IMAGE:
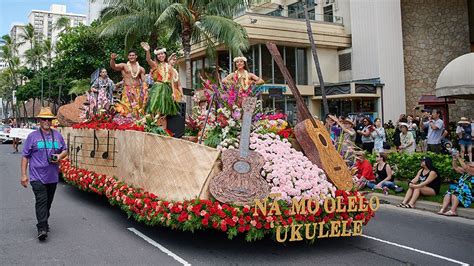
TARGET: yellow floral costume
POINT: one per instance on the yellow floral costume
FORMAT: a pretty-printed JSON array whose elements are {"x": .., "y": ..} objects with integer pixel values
[{"x": 133, "y": 100}]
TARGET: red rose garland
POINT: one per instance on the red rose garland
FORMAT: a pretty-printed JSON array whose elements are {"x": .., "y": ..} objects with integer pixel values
[{"x": 197, "y": 214}]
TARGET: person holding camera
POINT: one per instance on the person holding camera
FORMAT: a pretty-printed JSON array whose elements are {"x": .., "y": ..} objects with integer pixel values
[
  {"x": 465, "y": 133},
  {"x": 461, "y": 190},
  {"x": 435, "y": 131},
  {"x": 366, "y": 135},
  {"x": 42, "y": 151}
]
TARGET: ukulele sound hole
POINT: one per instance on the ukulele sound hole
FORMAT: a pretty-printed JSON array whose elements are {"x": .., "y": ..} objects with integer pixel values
[
  {"x": 323, "y": 141},
  {"x": 337, "y": 168},
  {"x": 242, "y": 167}
]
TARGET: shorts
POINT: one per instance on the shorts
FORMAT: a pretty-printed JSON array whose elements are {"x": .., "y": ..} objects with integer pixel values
[{"x": 465, "y": 142}]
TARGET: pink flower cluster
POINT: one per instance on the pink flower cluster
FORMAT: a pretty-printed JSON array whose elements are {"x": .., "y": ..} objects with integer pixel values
[{"x": 288, "y": 171}]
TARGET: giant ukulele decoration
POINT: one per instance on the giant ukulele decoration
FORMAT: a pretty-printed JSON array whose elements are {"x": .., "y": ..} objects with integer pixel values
[
  {"x": 312, "y": 135},
  {"x": 240, "y": 181}
]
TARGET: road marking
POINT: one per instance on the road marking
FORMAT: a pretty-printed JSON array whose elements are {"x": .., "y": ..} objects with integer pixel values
[
  {"x": 160, "y": 247},
  {"x": 417, "y": 250}
]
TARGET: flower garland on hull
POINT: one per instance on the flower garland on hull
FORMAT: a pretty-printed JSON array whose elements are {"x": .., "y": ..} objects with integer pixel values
[{"x": 198, "y": 214}]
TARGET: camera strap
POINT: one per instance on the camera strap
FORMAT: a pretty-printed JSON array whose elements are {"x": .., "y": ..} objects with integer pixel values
[{"x": 44, "y": 141}]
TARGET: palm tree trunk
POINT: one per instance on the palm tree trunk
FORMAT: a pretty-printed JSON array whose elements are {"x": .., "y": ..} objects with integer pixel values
[
  {"x": 186, "y": 41},
  {"x": 25, "y": 112},
  {"x": 34, "y": 101},
  {"x": 316, "y": 60}
]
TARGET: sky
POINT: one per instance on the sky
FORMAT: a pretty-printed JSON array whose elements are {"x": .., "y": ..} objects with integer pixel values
[{"x": 17, "y": 11}]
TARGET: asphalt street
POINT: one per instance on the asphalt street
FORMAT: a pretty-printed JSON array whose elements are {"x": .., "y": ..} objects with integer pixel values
[{"x": 86, "y": 230}]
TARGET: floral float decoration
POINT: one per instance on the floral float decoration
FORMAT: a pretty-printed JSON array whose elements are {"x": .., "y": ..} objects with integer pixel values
[{"x": 304, "y": 204}]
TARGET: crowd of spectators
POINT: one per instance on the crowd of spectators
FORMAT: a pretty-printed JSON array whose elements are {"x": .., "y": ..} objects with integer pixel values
[{"x": 426, "y": 132}]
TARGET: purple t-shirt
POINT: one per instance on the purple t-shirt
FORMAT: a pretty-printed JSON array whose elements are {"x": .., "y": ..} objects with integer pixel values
[{"x": 38, "y": 153}]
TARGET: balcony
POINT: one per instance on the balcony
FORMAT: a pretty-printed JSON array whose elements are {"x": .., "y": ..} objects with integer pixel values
[{"x": 292, "y": 31}]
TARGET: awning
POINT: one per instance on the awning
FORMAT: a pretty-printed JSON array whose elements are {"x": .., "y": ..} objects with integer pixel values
[
  {"x": 457, "y": 78},
  {"x": 433, "y": 100}
]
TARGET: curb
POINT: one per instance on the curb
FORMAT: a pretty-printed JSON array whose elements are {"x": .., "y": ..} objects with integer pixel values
[{"x": 424, "y": 205}]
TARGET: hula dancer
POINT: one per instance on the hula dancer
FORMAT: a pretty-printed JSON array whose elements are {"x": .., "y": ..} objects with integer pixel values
[
  {"x": 161, "y": 98},
  {"x": 241, "y": 77},
  {"x": 177, "y": 88},
  {"x": 134, "y": 93}
]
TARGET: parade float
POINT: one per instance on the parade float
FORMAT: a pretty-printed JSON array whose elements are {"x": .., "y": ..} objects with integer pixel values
[{"x": 241, "y": 170}]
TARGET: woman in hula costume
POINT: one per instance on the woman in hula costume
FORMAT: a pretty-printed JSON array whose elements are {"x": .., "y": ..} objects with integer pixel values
[
  {"x": 241, "y": 77},
  {"x": 161, "y": 99}
]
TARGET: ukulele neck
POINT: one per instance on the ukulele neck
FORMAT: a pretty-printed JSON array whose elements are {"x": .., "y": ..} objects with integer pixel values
[{"x": 245, "y": 134}]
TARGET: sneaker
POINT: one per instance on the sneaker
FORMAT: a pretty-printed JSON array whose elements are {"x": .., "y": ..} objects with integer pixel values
[
  {"x": 398, "y": 189},
  {"x": 42, "y": 235},
  {"x": 385, "y": 190}
]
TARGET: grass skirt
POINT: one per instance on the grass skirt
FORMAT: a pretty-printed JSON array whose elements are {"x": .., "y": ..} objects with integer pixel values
[{"x": 161, "y": 101}]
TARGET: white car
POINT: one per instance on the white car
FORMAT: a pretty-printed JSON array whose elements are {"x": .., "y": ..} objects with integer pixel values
[{"x": 4, "y": 134}]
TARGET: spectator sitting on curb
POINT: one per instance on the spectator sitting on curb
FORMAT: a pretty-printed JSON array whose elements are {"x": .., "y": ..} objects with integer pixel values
[
  {"x": 384, "y": 174},
  {"x": 461, "y": 191},
  {"x": 427, "y": 183},
  {"x": 364, "y": 171}
]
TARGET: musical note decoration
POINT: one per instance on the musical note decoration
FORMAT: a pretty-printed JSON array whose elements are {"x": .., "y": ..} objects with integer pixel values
[{"x": 86, "y": 149}]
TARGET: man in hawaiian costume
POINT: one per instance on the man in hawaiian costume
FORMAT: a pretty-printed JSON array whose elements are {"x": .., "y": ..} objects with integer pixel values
[
  {"x": 161, "y": 96},
  {"x": 241, "y": 77},
  {"x": 134, "y": 93}
]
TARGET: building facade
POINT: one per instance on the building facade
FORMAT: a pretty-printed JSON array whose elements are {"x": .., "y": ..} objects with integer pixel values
[
  {"x": 44, "y": 23},
  {"x": 377, "y": 57}
]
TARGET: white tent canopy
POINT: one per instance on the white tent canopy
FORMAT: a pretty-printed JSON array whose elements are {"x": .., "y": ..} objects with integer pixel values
[{"x": 457, "y": 78}]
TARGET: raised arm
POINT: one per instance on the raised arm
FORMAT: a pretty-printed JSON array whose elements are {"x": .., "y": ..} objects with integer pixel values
[
  {"x": 149, "y": 60},
  {"x": 456, "y": 167},
  {"x": 113, "y": 65}
]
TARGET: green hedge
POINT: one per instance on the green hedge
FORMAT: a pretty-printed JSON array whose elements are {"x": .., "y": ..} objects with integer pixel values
[{"x": 406, "y": 166}]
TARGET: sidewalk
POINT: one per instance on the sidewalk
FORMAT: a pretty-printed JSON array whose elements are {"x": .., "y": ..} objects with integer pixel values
[{"x": 423, "y": 205}]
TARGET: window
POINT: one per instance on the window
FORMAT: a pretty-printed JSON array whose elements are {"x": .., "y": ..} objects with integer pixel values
[
  {"x": 328, "y": 13},
  {"x": 345, "y": 62},
  {"x": 290, "y": 61},
  {"x": 296, "y": 10},
  {"x": 278, "y": 76},
  {"x": 301, "y": 67},
  {"x": 267, "y": 65},
  {"x": 197, "y": 66}
]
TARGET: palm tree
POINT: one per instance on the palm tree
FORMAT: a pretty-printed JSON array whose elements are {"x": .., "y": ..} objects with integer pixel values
[
  {"x": 28, "y": 34},
  {"x": 62, "y": 24},
  {"x": 189, "y": 21},
  {"x": 35, "y": 56},
  {"x": 48, "y": 48},
  {"x": 134, "y": 18},
  {"x": 209, "y": 21}
]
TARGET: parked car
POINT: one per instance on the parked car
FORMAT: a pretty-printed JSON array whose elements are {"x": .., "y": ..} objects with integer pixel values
[{"x": 4, "y": 134}]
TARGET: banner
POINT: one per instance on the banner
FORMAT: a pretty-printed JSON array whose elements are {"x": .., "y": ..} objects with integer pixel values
[{"x": 20, "y": 133}]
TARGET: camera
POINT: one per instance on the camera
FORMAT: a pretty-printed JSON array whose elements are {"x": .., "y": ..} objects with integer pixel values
[
  {"x": 454, "y": 152},
  {"x": 53, "y": 158}
]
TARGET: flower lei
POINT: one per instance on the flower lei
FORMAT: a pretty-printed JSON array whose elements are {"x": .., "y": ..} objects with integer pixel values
[
  {"x": 242, "y": 79},
  {"x": 134, "y": 75}
]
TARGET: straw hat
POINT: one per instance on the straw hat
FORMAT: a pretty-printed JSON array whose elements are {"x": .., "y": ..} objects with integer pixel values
[
  {"x": 464, "y": 120},
  {"x": 45, "y": 112},
  {"x": 348, "y": 120}
]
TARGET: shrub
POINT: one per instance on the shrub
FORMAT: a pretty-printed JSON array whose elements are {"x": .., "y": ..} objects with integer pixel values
[{"x": 406, "y": 166}]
